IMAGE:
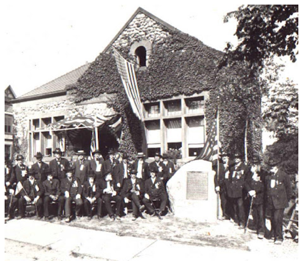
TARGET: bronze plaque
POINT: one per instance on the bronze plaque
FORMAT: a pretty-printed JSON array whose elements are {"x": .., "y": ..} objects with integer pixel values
[{"x": 196, "y": 185}]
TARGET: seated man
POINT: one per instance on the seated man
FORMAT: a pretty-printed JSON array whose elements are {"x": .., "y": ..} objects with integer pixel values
[
  {"x": 91, "y": 194},
  {"x": 155, "y": 190},
  {"x": 133, "y": 189},
  {"x": 31, "y": 192},
  {"x": 52, "y": 193},
  {"x": 10, "y": 199},
  {"x": 109, "y": 191},
  {"x": 71, "y": 188}
]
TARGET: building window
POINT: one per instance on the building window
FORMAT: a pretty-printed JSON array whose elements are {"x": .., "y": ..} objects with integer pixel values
[
  {"x": 194, "y": 152},
  {"x": 152, "y": 151},
  {"x": 8, "y": 151},
  {"x": 172, "y": 107},
  {"x": 141, "y": 54},
  {"x": 195, "y": 105},
  {"x": 8, "y": 124},
  {"x": 152, "y": 110}
]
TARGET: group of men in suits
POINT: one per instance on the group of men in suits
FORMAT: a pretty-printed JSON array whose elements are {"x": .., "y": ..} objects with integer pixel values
[
  {"x": 114, "y": 183},
  {"x": 243, "y": 187}
]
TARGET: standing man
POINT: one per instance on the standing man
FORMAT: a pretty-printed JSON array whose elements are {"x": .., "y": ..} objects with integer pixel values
[
  {"x": 235, "y": 191},
  {"x": 254, "y": 185},
  {"x": 221, "y": 182},
  {"x": 168, "y": 168},
  {"x": 91, "y": 195},
  {"x": 141, "y": 167},
  {"x": 121, "y": 170},
  {"x": 71, "y": 189},
  {"x": 96, "y": 164},
  {"x": 40, "y": 168},
  {"x": 52, "y": 193},
  {"x": 32, "y": 192},
  {"x": 133, "y": 189},
  {"x": 10, "y": 199},
  {"x": 155, "y": 190},
  {"x": 110, "y": 163},
  {"x": 157, "y": 164},
  {"x": 58, "y": 165},
  {"x": 20, "y": 170},
  {"x": 278, "y": 194},
  {"x": 82, "y": 167}
]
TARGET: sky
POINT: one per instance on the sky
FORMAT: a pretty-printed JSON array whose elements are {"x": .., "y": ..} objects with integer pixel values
[{"x": 43, "y": 40}]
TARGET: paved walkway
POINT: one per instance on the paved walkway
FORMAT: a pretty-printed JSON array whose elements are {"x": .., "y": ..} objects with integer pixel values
[{"x": 110, "y": 246}]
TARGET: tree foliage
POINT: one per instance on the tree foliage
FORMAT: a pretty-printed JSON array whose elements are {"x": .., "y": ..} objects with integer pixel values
[{"x": 263, "y": 31}]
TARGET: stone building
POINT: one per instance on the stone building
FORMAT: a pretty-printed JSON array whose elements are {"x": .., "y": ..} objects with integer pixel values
[
  {"x": 9, "y": 118},
  {"x": 176, "y": 77}
]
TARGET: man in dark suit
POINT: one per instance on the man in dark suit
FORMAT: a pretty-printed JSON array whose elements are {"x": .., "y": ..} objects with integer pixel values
[
  {"x": 91, "y": 194},
  {"x": 278, "y": 194},
  {"x": 20, "y": 170},
  {"x": 32, "y": 192},
  {"x": 52, "y": 193},
  {"x": 235, "y": 190},
  {"x": 157, "y": 164},
  {"x": 133, "y": 189},
  {"x": 40, "y": 168},
  {"x": 155, "y": 190},
  {"x": 9, "y": 182},
  {"x": 109, "y": 192},
  {"x": 58, "y": 165},
  {"x": 71, "y": 189},
  {"x": 110, "y": 163},
  {"x": 221, "y": 180},
  {"x": 168, "y": 168},
  {"x": 141, "y": 167},
  {"x": 121, "y": 170},
  {"x": 96, "y": 164},
  {"x": 81, "y": 167}
]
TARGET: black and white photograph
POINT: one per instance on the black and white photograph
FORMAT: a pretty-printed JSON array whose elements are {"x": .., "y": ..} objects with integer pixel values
[{"x": 149, "y": 130}]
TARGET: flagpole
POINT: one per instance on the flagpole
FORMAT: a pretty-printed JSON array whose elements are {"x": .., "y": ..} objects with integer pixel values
[
  {"x": 246, "y": 141},
  {"x": 97, "y": 138},
  {"x": 218, "y": 163}
]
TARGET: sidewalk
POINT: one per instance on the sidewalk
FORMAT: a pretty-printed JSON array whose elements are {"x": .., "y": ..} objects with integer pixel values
[{"x": 101, "y": 245}]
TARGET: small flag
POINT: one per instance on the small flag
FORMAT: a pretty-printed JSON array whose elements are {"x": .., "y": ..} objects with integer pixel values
[{"x": 19, "y": 187}]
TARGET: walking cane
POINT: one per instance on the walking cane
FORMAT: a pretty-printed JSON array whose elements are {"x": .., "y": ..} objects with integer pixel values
[{"x": 250, "y": 213}]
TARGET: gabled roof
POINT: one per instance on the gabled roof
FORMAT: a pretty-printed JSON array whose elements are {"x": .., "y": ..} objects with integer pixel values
[
  {"x": 140, "y": 10},
  {"x": 9, "y": 94},
  {"x": 56, "y": 86}
]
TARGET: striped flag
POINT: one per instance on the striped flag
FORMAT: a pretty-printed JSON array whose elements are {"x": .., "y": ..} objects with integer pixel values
[
  {"x": 212, "y": 145},
  {"x": 127, "y": 74}
]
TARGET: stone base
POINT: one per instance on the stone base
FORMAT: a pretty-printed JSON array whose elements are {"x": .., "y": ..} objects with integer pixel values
[{"x": 191, "y": 192}]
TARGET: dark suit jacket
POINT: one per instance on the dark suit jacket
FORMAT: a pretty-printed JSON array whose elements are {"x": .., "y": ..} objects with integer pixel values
[
  {"x": 118, "y": 172},
  {"x": 222, "y": 181},
  {"x": 145, "y": 169},
  {"x": 82, "y": 170},
  {"x": 51, "y": 188},
  {"x": 168, "y": 170},
  {"x": 127, "y": 187},
  {"x": 88, "y": 190},
  {"x": 103, "y": 185},
  {"x": 152, "y": 190},
  {"x": 278, "y": 196},
  {"x": 74, "y": 186},
  {"x": 40, "y": 174},
  {"x": 56, "y": 170},
  {"x": 9, "y": 176},
  {"x": 108, "y": 166},
  {"x": 236, "y": 181},
  {"x": 17, "y": 173},
  {"x": 93, "y": 167},
  {"x": 36, "y": 189}
]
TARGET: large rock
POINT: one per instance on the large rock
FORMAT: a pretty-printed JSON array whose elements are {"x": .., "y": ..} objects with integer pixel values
[{"x": 191, "y": 192}]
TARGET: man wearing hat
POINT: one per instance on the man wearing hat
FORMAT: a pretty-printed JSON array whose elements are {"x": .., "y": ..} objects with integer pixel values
[
  {"x": 91, "y": 196},
  {"x": 58, "y": 165},
  {"x": 51, "y": 194},
  {"x": 155, "y": 190},
  {"x": 96, "y": 164},
  {"x": 31, "y": 192},
  {"x": 71, "y": 189},
  {"x": 40, "y": 168},
  {"x": 109, "y": 192},
  {"x": 20, "y": 170},
  {"x": 133, "y": 189},
  {"x": 235, "y": 189},
  {"x": 168, "y": 168},
  {"x": 278, "y": 194},
  {"x": 254, "y": 185},
  {"x": 157, "y": 164},
  {"x": 109, "y": 163},
  {"x": 141, "y": 166},
  {"x": 82, "y": 167},
  {"x": 121, "y": 170},
  {"x": 221, "y": 182},
  {"x": 9, "y": 183}
]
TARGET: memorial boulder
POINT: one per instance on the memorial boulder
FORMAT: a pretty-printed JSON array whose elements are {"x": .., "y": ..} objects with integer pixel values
[{"x": 191, "y": 192}]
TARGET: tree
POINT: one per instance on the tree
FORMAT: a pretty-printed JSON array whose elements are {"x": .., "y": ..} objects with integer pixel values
[{"x": 263, "y": 31}]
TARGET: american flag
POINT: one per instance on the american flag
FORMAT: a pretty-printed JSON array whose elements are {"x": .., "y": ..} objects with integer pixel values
[
  {"x": 212, "y": 145},
  {"x": 127, "y": 74}
]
